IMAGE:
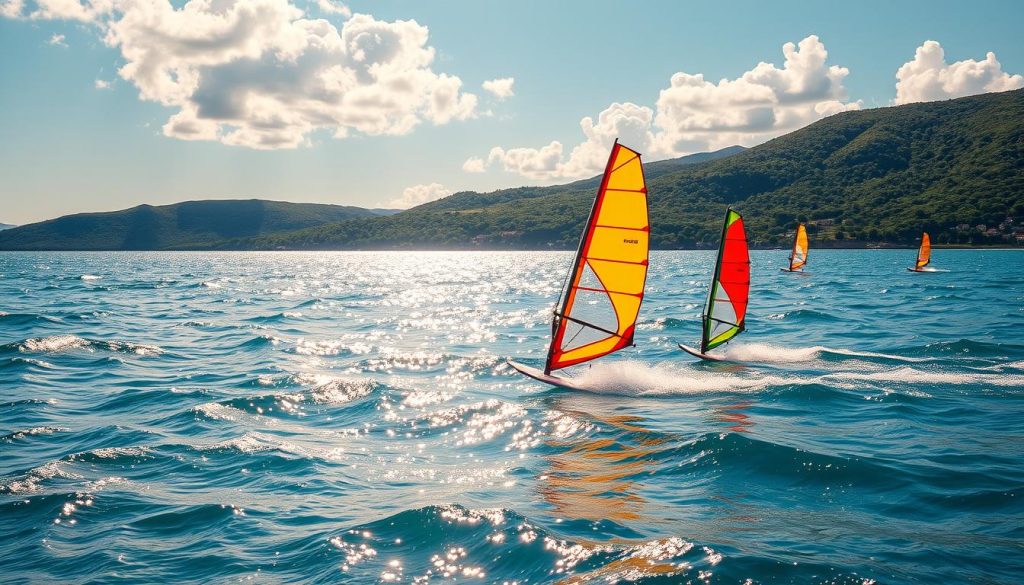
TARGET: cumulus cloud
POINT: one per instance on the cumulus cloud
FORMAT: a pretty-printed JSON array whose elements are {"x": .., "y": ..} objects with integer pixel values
[
  {"x": 57, "y": 40},
  {"x": 261, "y": 74},
  {"x": 102, "y": 84},
  {"x": 500, "y": 88},
  {"x": 331, "y": 7},
  {"x": 418, "y": 195},
  {"x": 11, "y": 8},
  {"x": 474, "y": 164},
  {"x": 928, "y": 77},
  {"x": 694, "y": 115}
]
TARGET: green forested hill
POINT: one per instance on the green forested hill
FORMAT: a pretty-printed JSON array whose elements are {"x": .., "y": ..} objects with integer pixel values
[
  {"x": 192, "y": 224},
  {"x": 880, "y": 175}
]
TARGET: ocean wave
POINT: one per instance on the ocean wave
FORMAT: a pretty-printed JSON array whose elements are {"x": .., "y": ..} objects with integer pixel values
[
  {"x": 451, "y": 542},
  {"x": 253, "y": 442},
  {"x": 30, "y": 482},
  {"x": 19, "y": 319},
  {"x": 29, "y": 362},
  {"x": 31, "y": 432},
  {"x": 61, "y": 343}
]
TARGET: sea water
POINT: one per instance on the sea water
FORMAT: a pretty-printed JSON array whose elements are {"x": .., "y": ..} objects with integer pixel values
[{"x": 350, "y": 418}]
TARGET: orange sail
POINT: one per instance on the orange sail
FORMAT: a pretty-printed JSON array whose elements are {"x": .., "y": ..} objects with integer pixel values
[
  {"x": 798, "y": 258},
  {"x": 924, "y": 254},
  {"x": 600, "y": 305}
]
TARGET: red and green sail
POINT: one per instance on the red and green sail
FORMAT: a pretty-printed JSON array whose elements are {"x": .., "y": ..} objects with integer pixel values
[{"x": 726, "y": 306}]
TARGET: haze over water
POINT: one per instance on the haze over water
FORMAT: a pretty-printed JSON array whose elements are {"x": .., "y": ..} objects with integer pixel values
[{"x": 349, "y": 417}]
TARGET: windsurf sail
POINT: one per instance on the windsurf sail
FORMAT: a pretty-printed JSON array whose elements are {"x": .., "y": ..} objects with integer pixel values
[
  {"x": 726, "y": 306},
  {"x": 799, "y": 256},
  {"x": 924, "y": 254},
  {"x": 601, "y": 300}
]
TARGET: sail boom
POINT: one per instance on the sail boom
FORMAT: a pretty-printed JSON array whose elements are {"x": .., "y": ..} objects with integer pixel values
[{"x": 591, "y": 325}]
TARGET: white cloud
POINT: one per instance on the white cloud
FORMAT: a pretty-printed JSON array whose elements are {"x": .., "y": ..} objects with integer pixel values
[
  {"x": 500, "y": 88},
  {"x": 102, "y": 84},
  {"x": 260, "y": 74},
  {"x": 928, "y": 77},
  {"x": 696, "y": 115},
  {"x": 86, "y": 11},
  {"x": 57, "y": 40},
  {"x": 331, "y": 7},
  {"x": 418, "y": 195},
  {"x": 11, "y": 8},
  {"x": 474, "y": 164}
]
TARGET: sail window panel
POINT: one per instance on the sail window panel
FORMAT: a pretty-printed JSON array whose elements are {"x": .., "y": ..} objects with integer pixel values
[
  {"x": 718, "y": 328},
  {"x": 628, "y": 176},
  {"x": 608, "y": 243},
  {"x": 582, "y": 336},
  {"x": 594, "y": 308},
  {"x": 623, "y": 209},
  {"x": 589, "y": 278},
  {"x": 722, "y": 308},
  {"x": 620, "y": 276}
]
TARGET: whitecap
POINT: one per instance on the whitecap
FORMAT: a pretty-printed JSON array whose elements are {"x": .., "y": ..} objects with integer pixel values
[
  {"x": 53, "y": 343},
  {"x": 31, "y": 480}
]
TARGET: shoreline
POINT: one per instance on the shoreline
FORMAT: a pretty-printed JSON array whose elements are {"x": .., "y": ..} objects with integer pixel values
[{"x": 483, "y": 249}]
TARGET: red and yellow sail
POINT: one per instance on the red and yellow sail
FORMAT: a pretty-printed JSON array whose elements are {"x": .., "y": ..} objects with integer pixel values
[
  {"x": 798, "y": 258},
  {"x": 726, "y": 306},
  {"x": 924, "y": 254},
  {"x": 606, "y": 285}
]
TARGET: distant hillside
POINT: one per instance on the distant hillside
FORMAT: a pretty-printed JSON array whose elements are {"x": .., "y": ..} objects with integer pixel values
[
  {"x": 7, "y": 226},
  {"x": 879, "y": 175},
  {"x": 192, "y": 224}
]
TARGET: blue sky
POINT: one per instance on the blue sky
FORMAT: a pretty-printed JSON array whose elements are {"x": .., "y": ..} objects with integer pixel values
[{"x": 68, "y": 145}]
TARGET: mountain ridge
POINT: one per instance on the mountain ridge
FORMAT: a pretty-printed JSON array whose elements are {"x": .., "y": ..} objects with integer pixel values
[
  {"x": 953, "y": 168},
  {"x": 183, "y": 225}
]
